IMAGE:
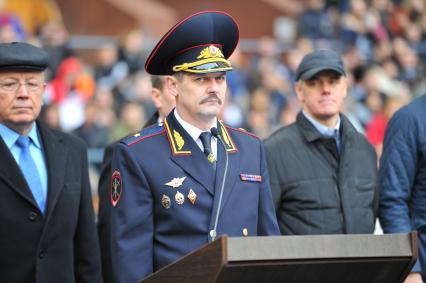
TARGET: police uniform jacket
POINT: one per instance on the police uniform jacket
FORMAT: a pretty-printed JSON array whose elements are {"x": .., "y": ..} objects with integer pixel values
[
  {"x": 103, "y": 223},
  {"x": 61, "y": 245},
  {"x": 165, "y": 196}
]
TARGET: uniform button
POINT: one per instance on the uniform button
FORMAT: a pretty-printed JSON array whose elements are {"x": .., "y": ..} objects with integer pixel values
[
  {"x": 245, "y": 232},
  {"x": 41, "y": 254},
  {"x": 32, "y": 216}
]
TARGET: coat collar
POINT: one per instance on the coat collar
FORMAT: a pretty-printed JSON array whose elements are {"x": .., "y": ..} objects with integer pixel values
[
  {"x": 55, "y": 156},
  {"x": 311, "y": 134},
  {"x": 11, "y": 174},
  {"x": 182, "y": 146},
  {"x": 179, "y": 140}
]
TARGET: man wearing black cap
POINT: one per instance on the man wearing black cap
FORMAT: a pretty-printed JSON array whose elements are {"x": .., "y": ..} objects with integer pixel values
[
  {"x": 48, "y": 230},
  {"x": 179, "y": 186},
  {"x": 323, "y": 172}
]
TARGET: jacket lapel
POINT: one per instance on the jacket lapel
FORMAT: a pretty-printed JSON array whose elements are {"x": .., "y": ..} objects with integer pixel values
[
  {"x": 11, "y": 174},
  {"x": 187, "y": 155},
  {"x": 55, "y": 154}
]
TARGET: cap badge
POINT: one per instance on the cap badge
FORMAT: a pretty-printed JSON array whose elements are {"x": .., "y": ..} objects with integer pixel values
[
  {"x": 210, "y": 52},
  {"x": 192, "y": 196},
  {"x": 175, "y": 182},
  {"x": 179, "y": 198},
  {"x": 165, "y": 201},
  {"x": 116, "y": 187},
  {"x": 179, "y": 140}
]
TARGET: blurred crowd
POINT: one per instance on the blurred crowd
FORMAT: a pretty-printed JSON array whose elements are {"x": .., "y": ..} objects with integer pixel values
[{"x": 381, "y": 41}]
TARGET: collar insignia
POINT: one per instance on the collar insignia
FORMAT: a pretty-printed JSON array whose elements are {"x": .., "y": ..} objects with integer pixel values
[
  {"x": 225, "y": 138},
  {"x": 230, "y": 146},
  {"x": 179, "y": 140},
  {"x": 175, "y": 139},
  {"x": 175, "y": 182}
]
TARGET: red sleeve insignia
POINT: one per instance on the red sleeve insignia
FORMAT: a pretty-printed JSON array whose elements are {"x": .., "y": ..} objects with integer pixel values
[{"x": 116, "y": 187}]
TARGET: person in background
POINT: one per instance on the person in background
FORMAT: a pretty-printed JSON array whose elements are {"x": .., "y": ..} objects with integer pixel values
[
  {"x": 323, "y": 172},
  {"x": 91, "y": 132},
  {"x": 49, "y": 232},
  {"x": 165, "y": 181},
  {"x": 164, "y": 101},
  {"x": 403, "y": 179}
]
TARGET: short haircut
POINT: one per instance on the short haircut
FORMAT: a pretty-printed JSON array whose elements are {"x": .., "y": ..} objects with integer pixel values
[{"x": 157, "y": 81}]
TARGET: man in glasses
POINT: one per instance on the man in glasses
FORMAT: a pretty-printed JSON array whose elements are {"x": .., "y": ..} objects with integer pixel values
[{"x": 48, "y": 230}]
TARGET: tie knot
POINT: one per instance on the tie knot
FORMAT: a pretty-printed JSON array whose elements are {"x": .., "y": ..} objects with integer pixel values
[
  {"x": 206, "y": 138},
  {"x": 23, "y": 141}
]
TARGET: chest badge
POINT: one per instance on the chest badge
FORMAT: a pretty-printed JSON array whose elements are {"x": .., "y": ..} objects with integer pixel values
[
  {"x": 192, "y": 196},
  {"x": 165, "y": 201},
  {"x": 179, "y": 198},
  {"x": 250, "y": 178},
  {"x": 175, "y": 182}
]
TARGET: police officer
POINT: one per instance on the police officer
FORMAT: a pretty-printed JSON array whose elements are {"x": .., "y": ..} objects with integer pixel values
[{"x": 167, "y": 194}]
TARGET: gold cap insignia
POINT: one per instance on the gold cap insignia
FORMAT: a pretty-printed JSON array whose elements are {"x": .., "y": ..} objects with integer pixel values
[
  {"x": 175, "y": 182},
  {"x": 210, "y": 52}
]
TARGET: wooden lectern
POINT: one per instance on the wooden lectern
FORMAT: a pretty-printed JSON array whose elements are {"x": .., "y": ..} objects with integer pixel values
[{"x": 290, "y": 259}]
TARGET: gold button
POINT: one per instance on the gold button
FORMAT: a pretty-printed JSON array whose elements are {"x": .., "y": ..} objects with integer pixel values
[{"x": 245, "y": 232}]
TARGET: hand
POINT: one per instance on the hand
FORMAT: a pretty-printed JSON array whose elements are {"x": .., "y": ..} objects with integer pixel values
[{"x": 414, "y": 277}]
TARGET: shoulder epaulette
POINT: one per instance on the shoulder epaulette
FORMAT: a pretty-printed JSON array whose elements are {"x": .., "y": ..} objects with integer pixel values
[{"x": 143, "y": 134}]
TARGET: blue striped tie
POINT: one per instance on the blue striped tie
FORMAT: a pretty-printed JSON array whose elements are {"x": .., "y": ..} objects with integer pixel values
[{"x": 29, "y": 169}]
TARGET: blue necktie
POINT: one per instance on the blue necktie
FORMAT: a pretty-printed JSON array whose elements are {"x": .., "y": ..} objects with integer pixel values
[
  {"x": 206, "y": 139},
  {"x": 29, "y": 169},
  {"x": 337, "y": 138}
]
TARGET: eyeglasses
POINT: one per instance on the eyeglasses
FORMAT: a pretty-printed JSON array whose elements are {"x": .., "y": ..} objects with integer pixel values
[{"x": 14, "y": 86}]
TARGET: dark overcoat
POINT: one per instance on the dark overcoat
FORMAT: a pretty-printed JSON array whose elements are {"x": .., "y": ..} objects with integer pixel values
[{"x": 61, "y": 245}]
